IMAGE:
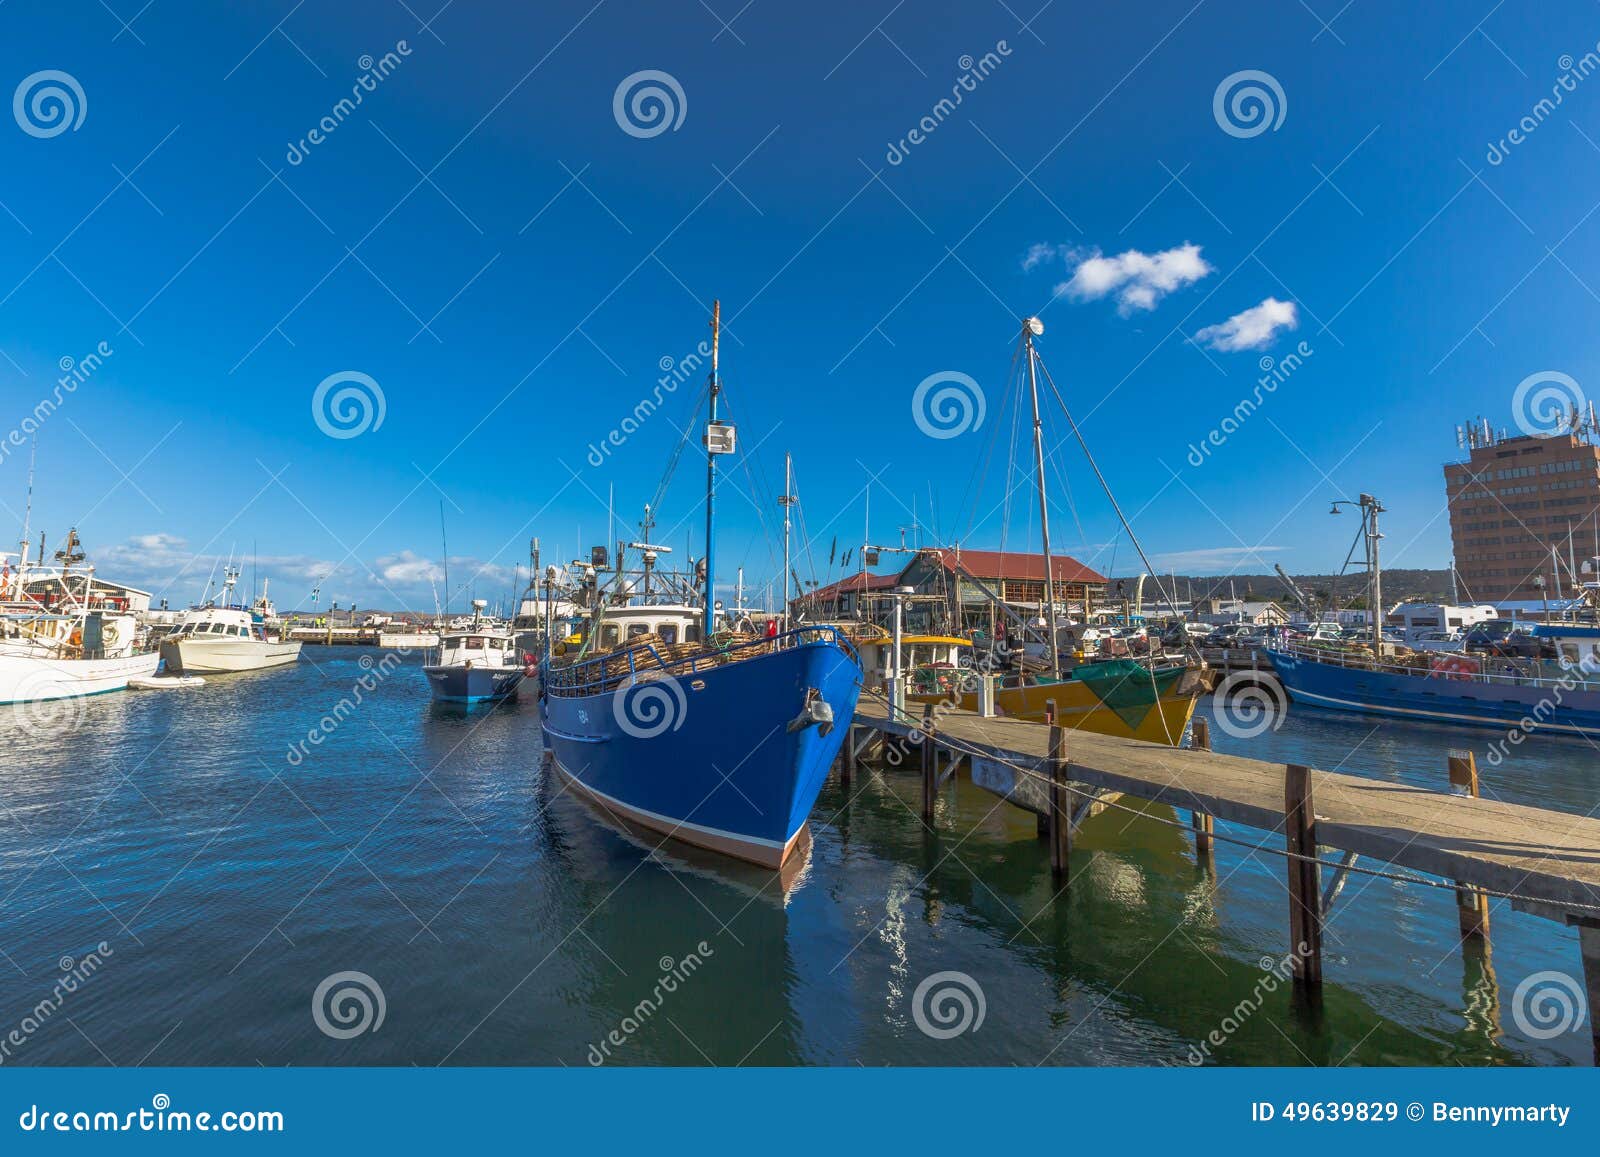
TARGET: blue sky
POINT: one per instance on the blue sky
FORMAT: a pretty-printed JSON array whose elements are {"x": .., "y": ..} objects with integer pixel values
[{"x": 482, "y": 239}]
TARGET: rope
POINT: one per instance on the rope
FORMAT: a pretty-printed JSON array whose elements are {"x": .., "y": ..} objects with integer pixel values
[{"x": 1250, "y": 845}]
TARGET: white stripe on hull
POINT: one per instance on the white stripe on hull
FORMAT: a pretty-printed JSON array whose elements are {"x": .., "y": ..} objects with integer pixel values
[
  {"x": 1442, "y": 716},
  {"x": 753, "y": 849}
]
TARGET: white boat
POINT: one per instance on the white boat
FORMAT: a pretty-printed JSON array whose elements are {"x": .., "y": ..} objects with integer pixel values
[
  {"x": 213, "y": 640},
  {"x": 165, "y": 682},
  {"x": 478, "y": 663},
  {"x": 60, "y": 636}
]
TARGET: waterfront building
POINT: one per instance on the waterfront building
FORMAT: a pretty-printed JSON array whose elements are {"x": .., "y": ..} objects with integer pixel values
[{"x": 1524, "y": 514}]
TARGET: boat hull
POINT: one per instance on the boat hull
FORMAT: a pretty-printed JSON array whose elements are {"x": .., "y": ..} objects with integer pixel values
[
  {"x": 196, "y": 656},
  {"x": 1137, "y": 710},
  {"x": 28, "y": 679},
  {"x": 709, "y": 758},
  {"x": 478, "y": 684},
  {"x": 1500, "y": 704}
]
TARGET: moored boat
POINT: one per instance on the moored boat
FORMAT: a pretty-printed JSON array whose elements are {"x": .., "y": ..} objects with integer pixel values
[
  {"x": 668, "y": 719},
  {"x": 475, "y": 663},
  {"x": 213, "y": 639}
]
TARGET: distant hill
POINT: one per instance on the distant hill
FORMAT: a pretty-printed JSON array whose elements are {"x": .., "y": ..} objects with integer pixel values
[{"x": 1399, "y": 585}]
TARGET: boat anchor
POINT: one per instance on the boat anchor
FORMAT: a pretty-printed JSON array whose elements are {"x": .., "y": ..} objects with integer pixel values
[{"x": 816, "y": 713}]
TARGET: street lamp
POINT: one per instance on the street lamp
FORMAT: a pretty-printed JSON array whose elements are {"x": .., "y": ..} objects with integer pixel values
[{"x": 897, "y": 690}]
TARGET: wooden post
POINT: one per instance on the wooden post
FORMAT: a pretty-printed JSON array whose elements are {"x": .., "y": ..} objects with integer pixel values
[
  {"x": 930, "y": 763},
  {"x": 1202, "y": 823},
  {"x": 1305, "y": 885},
  {"x": 1589, "y": 949},
  {"x": 847, "y": 769},
  {"x": 1060, "y": 814},
  {"x": 1472, "y": 906}
]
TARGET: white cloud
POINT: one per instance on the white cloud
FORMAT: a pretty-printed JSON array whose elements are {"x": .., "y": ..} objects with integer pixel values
[
  {"x": 1043, "y": 253},
  {"x": 407, "y": 568},
  {"x": 1216, "y": 558},
  {"x": 1254, "y": 329},
  {"x": 1139, "y": 280}
]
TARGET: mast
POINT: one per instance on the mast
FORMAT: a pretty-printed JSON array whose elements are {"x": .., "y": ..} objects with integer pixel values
[
  {"x": 786, "y": 501},
  {"x": 444, "y": 545},
  {"x": 1031, "y": 328},
  {"x": 27, "y": 518},
  {"x": 711, "y": 474}
]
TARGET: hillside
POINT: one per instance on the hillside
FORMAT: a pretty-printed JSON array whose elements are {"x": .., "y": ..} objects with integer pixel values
[{"x": 1398, "y": 585}]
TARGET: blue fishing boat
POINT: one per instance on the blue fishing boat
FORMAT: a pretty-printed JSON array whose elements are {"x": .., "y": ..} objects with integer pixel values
[
  {"x": 667, "y": 718},
  {"x": 1556, "y": 689},
  {"x": 1526, "y": 694}
]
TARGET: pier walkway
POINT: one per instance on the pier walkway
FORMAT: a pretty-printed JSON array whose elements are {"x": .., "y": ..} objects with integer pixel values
[{"x": 1545, "y": 862}]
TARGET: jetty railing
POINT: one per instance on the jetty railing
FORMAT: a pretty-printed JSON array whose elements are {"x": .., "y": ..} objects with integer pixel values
[{"x": 1517, "y": 677}]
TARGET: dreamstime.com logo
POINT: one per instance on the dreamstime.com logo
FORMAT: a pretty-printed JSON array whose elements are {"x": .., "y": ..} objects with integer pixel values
[
  {"x": 646, "y": 707},
  {"x": 48, "y": 103},
  {"x": 1548, "y": 1004},
  {"x": 648, "y": 103},
  {"x": 1542, "y": 403},
  {"x": 948, "y": 1004},
  {"x": 348, "y": 1004},
  {"x": 948, "y": 404},
  {"x": 1247, "y": 707},
  {"x": 348, "y": 404},
  {"x": 1248, "y": 103},
  {"x": 41, "y": 711}
]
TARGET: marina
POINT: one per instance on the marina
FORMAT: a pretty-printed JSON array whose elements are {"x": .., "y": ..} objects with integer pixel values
[
  {"x": 229, "y": 879},
  {"x": 820, "y": 548}
]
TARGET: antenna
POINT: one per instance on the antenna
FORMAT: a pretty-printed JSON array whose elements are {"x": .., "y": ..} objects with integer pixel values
[
  {"x": 27, "y": 513},
  {"x": 444, "y": 546}
]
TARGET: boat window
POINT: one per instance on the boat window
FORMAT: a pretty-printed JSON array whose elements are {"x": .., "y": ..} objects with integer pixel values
[
  {"x": 637, "y": 629},
  {"x": 608, "y": 636},
  {"x": 1569, "y": 651},
  {"x": 216, "y": 628},
  {"x": 242, "y": 632},
  {"x": 691, "y": 634},
  {"x": 669, "y": 633}
]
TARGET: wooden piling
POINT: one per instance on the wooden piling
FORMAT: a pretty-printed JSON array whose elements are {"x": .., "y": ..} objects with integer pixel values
[
  {"x": 1472, "y": 905},
  {"x": 930, "y": 764},
  {"x": 1305, "y": 885},
  {"x": 1060, "y": 814},
  {"x": 1203, "y": 824},
  {"x": 847, "y": 769}
]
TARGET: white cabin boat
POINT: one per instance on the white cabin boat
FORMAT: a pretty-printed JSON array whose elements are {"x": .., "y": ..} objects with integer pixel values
[{"x": 214, "y": 640}]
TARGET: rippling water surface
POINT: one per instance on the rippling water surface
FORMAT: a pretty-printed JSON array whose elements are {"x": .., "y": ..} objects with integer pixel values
[{"x": 229, "y": 875}]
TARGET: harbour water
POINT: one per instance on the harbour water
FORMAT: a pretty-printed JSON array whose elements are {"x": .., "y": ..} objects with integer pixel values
[{"x": 230, "y": 864}]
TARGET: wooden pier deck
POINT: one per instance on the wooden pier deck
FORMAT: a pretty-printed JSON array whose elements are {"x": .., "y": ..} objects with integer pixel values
[{"x": 1546, "y": 862}]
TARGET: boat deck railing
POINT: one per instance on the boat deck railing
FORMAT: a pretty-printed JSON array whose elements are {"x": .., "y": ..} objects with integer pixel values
[
  {"x": 1517, "y": 676},
  {"x": 604, "y": 672}
]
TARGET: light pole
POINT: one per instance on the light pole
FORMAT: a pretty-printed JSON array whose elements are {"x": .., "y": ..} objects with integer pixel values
[{"x": 897, "y": 690}]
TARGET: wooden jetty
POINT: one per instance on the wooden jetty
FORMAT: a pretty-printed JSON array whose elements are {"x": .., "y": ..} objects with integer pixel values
[
  {"x": 363, "y": 637},
  {"x": 1546, "y": 862}
]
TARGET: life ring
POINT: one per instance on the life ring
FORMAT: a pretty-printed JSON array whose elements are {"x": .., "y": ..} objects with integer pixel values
[
  {"x": 110, "y": 635},
  {"x": 1456, "y": 667}
]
